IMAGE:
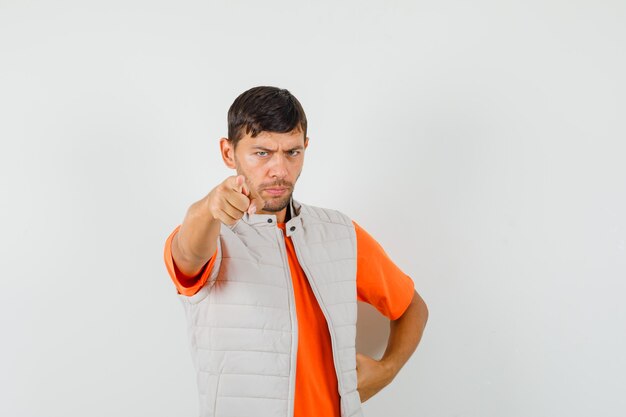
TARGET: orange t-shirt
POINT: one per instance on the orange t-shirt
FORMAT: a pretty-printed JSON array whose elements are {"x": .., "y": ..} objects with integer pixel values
[{"x": 379, "y": 283}]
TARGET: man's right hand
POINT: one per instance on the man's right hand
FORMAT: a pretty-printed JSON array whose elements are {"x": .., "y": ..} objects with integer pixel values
[{"x": 231, "y": 199}]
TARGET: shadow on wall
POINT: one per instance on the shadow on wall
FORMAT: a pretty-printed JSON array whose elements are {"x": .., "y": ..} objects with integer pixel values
[{"x": 372, "y": 331}]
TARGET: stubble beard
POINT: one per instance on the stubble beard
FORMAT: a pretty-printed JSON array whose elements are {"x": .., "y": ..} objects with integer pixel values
[
  {"x": 271, "y": 204},
  {"x": 276, "y": 204}
]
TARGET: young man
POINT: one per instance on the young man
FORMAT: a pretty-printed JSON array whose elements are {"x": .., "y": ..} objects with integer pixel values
[{"x": 270, "y": 285}]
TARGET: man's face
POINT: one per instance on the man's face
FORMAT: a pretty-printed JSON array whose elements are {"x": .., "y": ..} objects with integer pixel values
[{"x": 271, "y": 163}]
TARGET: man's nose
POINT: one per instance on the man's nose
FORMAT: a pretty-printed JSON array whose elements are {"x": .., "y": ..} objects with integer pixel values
[{"x": 279, "y": 167}]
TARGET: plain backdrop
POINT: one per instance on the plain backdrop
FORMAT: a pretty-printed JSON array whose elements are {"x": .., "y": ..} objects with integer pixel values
[{"x": 481, "y": 143}]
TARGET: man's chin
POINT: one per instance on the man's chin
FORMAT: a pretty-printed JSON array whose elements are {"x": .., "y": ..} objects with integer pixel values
[{"x": 276, "y": 204}]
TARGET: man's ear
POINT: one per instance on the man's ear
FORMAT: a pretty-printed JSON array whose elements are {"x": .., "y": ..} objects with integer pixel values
[
  {"x": 228, "y": 152},
  {"x": 306, "y": 142}
]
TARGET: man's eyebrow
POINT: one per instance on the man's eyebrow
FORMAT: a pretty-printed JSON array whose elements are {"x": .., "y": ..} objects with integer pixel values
[
  {"x": 297, "y": 148},
  {"x": 262, "y": 148}
]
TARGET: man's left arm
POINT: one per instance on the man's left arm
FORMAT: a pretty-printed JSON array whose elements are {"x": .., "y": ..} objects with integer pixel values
[{"x": 404, "y": 336}]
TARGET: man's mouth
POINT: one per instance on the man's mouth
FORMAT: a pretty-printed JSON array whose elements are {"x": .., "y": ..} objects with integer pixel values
[{"x": 275, "y": 191}]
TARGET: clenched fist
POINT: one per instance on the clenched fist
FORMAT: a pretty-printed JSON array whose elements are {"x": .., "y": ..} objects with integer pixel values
[
  {"x": 372, "y": 376},
  {"x": 231, "y": 199}
]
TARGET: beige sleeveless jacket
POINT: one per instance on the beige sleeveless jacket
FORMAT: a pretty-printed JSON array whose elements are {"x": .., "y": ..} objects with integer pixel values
[{"x": 242, "y": 324}]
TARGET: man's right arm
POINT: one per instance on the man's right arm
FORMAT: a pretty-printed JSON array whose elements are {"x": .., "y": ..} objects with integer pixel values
[{"x": 196, "y": 240}]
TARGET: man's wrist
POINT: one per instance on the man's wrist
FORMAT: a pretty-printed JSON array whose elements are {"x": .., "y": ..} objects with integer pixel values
[
  {"x": 390, "y": 369},
  {"x": 201, "y": 211}
]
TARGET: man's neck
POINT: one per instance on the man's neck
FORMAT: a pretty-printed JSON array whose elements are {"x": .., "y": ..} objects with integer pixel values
[{"x": 284, "y": 215}]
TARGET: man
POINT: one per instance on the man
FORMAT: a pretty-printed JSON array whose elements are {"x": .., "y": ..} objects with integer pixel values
[{"x": 270, "y": 285}]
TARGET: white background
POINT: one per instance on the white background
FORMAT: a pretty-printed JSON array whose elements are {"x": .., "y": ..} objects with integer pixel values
[{"x": 481, "y": 143}]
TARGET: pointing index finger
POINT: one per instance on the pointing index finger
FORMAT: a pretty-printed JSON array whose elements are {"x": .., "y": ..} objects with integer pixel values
[
  {"x": 238, "y": 183},
  {"x": 256, "y": 201}
]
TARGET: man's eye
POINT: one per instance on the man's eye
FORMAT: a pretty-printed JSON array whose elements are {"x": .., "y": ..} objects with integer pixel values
[
  {"x": 261, "y": 152},
  {"x": 294, "y": 153}
]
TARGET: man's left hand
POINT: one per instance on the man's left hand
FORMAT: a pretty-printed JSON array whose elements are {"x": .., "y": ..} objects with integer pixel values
[{"x": 372, "y": 376}]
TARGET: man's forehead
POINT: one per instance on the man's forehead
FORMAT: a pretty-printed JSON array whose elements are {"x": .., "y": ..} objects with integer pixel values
[{"x": 289, "y": 139}]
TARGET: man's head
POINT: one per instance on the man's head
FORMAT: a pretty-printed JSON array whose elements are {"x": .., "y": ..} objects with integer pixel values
[{"x": 266, "y": 142}]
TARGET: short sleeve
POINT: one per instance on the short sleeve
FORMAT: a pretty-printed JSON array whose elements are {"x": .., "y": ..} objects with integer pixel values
[
  {"x": 186, "y": 285},
  {"x": 379, "y": 281}
]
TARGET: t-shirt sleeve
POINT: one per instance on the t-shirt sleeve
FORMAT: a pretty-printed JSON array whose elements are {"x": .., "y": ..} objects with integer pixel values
[
  {"x": 187, "y": 285},
  {"x": 379, "y": 281}
]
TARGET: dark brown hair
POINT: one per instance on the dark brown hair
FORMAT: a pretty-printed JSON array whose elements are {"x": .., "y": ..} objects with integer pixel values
[{"x": 264, "y": 109}]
